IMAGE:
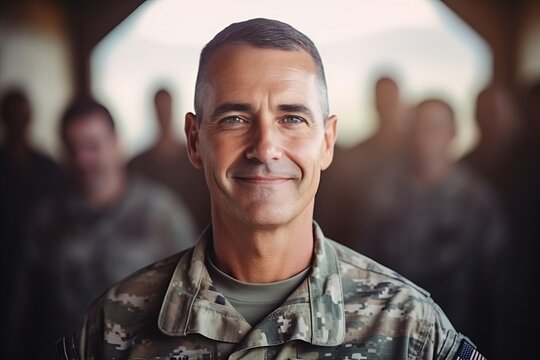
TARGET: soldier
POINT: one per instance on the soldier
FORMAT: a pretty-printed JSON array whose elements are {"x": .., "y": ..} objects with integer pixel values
[
  {"x": 167, "y": 163},
  {"x": 263, "y": 282},
  {"x": 104, "y": 225}
]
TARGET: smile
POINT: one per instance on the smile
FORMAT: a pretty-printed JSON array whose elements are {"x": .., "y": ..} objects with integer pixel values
[{"x": 260, "y": 180}]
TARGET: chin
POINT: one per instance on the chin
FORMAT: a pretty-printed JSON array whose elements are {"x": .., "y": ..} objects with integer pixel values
[{"x": 264, "y": 217}]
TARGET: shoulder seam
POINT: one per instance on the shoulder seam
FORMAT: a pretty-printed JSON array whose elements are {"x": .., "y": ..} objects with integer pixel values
[{"x": 396, "y": 277}]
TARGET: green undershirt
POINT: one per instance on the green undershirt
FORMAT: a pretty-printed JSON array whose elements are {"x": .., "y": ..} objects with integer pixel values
[{"x": 253, "y": 300}]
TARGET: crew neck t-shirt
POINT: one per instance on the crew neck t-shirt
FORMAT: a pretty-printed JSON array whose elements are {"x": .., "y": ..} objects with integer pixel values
[{"x": 253, "y": 300}]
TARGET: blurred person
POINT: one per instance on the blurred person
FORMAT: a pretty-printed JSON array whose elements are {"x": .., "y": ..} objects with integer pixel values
[
  {"x": 263, "y": 282},
  {"x": 336, "y": 190},
  {"x": 355, "y": 171},
  {"x": 523, "y": 208},
  {"x": 496, "y": 118},
  {"x": 438, "y": 224},
  {"x": 350, "y": 183},
  {"x": 26, "y": 176},
  {"x": 167, "y": 163},
  {"x": 392, "y": 125},
  {"x": 99, "y": 230}
]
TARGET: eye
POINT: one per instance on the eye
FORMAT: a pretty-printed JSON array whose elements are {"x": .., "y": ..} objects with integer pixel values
[
  {"x": 293, "y": 119},
  {"x": 232, "y": 121}
]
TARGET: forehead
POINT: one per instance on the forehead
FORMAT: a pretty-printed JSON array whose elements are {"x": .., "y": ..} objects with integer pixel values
[
  {"x": 235, "y": 70},
  {"x": 247, "y": 55},
  {"x": 434, "y": 115},
  {"x": 92, "y": 124},
  {"x": 433, "y": 108}
]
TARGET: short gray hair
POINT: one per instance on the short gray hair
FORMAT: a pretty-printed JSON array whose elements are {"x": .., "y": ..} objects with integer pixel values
[{"x": 264, "y": 34}]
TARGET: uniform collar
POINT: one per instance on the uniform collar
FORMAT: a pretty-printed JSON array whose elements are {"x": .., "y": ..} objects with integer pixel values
[{"x": 313, "y": 312}]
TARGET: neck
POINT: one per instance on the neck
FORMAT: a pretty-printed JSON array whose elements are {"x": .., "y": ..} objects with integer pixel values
[
  {"x": 390, "y": 136},
  {"x": 167, "y": 143},
  {"x": 257, "y": 254},
  {"x": 106, "y": 192},
  {"x": 491, "y": 152},
  {"x": 17, "y": 150},
  {"x": 433, "y": 174}
]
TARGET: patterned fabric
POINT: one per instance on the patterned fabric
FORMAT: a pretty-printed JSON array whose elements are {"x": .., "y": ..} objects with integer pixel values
[
  {"x": 447, "y": 238},
  {"x": 76, "y": 253},
  {"x": 349, "y": 307}
]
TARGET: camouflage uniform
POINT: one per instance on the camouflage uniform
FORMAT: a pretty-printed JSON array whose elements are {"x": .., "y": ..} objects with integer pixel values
[
  {"x": 76, "y": 252},
  {"x": 349, "y": 307}
]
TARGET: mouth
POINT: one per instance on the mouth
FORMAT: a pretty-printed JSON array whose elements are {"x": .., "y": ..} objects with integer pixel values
[{"x": 262, "y": 180}]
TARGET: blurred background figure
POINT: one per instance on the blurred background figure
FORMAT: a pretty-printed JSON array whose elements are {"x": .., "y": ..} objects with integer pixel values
[
  {"x": 356, "y": 173},
  {"x": 436, "y": 223},
  {"x": 392, "y": 125},
  {"x": 375, "y": 161},
  {"x": 26, "y": 176},
  {"x": 523, "y": 207},
  {"x": 496, "y": 118},
  {"x": 167, "y": 163},
  {"x": 99, "y": 230}
]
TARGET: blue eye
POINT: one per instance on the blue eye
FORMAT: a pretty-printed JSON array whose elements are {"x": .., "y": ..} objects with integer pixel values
[
  {"x": 293, "y": 119},
  {"x": 233, "y": 120}
]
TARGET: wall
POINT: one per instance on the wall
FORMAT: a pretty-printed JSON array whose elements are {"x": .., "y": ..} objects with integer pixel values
[{"x": 35, "y": 56}]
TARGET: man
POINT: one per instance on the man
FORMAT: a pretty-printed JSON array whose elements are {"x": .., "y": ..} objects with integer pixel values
[
  {"x": 167, "y": 163},
  {"x": 97, "y": 232},
  {"x": 357, "y": 171},
  {"x": 494, "y": 156},
  {"x": 26, "y": 176},
  {"x": 263, "y": 282},
  {"x": 392, "y": 126},
  {"x": 439, "y": 225}
]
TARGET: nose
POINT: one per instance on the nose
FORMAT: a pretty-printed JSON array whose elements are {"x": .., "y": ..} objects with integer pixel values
[{"x": 264, "y": 143}]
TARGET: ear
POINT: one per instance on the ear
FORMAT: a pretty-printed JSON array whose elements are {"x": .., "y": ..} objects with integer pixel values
[
  {"x": 191, "y": 128},
  {"x": 453, "y": 133},
  {"x": 330, "y": 133}
]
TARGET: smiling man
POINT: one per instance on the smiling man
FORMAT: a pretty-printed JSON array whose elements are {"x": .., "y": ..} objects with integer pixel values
[{"x": 263, "y": 282}]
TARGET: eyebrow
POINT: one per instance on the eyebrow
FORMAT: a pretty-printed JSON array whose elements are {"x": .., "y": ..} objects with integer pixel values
[
  {"x": 296, "y": 108},
  {"x": 243, "y": 107},
  {"x": 230, "y": 107}
]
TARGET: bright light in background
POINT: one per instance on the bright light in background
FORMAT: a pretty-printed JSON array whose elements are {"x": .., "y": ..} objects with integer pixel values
[
  {"x": 36, "y": 59},
  {"x": 428, "y": 49}
]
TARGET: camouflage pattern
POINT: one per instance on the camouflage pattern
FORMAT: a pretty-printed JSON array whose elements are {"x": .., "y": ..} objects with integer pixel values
[{"x": 349, "y": 307}]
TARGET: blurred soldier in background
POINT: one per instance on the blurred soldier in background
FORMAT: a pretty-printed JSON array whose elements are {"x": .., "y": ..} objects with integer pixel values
[
  {"x": 102, "y": 228},
  {"x": 497, "y": 121},
  {"x": 523, "y": 204},
  {"x": 167, "y": 163},
  {"x": 26, "y": 177},
  {"x": 356, "y": 171},
  {"x": 438, "y": 224}
]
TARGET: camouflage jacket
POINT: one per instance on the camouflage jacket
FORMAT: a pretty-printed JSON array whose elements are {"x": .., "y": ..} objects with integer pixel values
[{"x": 348, "y": 307}]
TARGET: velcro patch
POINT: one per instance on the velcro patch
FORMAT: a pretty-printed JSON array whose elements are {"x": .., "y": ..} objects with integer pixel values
[{"x": 467, "y": 351}]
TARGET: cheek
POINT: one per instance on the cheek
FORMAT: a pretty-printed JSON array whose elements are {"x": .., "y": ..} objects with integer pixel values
[
  {"x": 84, "y": 157},
  {"x": 308, "y": 154},
  {"x": 217, "y": 155}
]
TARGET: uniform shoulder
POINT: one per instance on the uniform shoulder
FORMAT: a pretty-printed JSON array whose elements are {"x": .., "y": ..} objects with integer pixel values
[
  {"x": 149, "y": 188},
  {"x": 356, "y": 265},
  {"x": 391, "y": 306},
  {"x": 145, "y": 193},
  {"x": 151, "y": 280}
]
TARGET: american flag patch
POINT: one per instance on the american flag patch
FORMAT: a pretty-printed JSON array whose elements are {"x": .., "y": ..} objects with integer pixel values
[{"x": 467, "y": 351}]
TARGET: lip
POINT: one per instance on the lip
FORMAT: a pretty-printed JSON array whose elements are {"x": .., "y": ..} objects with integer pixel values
[{"x": 262, "y": 180}]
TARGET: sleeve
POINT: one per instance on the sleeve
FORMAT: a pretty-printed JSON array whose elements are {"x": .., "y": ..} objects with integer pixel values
[
  {"x": 85, "y": 342},
  {"x": 445, "y": 343},
  {"x": 64, "y": 349}
]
